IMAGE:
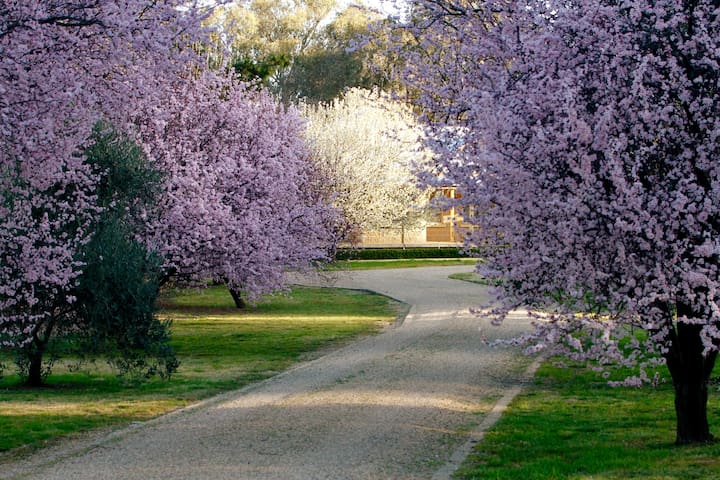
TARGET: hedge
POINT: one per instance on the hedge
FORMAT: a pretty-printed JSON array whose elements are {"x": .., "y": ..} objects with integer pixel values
[{"x": 399, "y": 253}]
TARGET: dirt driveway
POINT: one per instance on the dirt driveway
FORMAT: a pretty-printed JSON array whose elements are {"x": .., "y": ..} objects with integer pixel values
[{"x": 400, "y": 405}]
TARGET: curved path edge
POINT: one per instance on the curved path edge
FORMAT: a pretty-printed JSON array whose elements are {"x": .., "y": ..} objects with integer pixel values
[{"x": 491, "y": 418}]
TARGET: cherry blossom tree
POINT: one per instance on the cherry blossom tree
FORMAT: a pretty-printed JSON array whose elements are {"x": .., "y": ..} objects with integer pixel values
[
  {"x": 367, "y": 146},
  {"x": 64, "y": 65},
  {"x": 240, "y": 201},
  {"x": 589, "y": 149}
]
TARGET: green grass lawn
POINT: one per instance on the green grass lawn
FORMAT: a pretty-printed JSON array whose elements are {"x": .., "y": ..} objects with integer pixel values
[
  {"x": 571, "y": 425},
  {"x": 220, "y": 348}
]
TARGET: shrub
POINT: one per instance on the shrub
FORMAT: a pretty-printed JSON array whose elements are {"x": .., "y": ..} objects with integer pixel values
[{"x": 399, "y": 253}]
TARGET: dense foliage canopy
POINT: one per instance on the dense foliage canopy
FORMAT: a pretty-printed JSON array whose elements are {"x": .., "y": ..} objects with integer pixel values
[{"x": 240, "y": 203}]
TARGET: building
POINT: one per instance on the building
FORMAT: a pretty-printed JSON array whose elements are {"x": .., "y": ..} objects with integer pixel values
[{"x": 438, "y": 228}]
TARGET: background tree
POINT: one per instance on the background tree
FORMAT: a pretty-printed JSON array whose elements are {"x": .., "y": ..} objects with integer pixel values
[
  {"x": 303, "y": 49},
  {"x": 264, "y": 38},
  {"x": 366, "y": 146},
  {"x": 590, "y": 144},
  {"x": 348, "y": 54}
]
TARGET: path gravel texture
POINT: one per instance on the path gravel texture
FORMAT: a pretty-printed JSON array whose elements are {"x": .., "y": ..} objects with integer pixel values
[{"x": 404, "y": 404}]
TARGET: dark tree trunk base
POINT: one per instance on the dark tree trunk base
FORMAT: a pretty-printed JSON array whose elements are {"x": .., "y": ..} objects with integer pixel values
[
  {"x": 35, "y": 373},
  {"x": 690, "y": 367},
  {"x": 691, "y": 409},
  {"x": 237, "y": 298}
]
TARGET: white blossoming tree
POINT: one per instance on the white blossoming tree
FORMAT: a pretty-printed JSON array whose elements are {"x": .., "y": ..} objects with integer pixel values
[{"x": 367, "y": 147}]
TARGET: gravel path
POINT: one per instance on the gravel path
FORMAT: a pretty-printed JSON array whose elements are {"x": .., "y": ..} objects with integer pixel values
[{"x": 405, "y": 404}]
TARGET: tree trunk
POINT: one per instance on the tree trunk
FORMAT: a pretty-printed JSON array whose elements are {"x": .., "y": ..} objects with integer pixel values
[
  {"x": 690, "y": 371},
  {"x": 35, "y": 377},
  {"x": 691, "y": 409},
  {"x": 237, "y": 297},
  {"x": 36, "y": 351}
]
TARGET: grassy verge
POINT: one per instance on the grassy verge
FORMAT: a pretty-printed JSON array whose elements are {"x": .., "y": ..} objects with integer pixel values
[
  {"x": 570, "y": 425},
  {"x": 220, "y": 348},
  {"x": 401, "y": 263},
  {"x": 471, "y": 277}
]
